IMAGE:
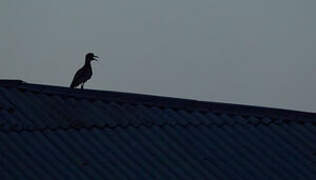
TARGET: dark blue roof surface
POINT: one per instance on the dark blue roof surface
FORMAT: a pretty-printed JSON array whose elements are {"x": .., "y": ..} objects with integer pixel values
[{"x": 49, "y": 132}]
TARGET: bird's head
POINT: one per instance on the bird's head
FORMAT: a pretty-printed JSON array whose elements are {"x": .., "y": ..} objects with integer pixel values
[{"x": 90, "y": 57}]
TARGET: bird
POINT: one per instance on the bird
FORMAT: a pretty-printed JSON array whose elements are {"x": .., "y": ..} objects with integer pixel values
[{"x": 85, "y": 72}]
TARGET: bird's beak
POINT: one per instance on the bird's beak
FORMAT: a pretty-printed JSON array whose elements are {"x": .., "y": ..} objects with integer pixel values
[{"x": 94, "y": 58}]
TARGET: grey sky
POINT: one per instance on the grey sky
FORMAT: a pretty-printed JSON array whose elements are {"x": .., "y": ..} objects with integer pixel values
[{"x": 256, "y": 52}]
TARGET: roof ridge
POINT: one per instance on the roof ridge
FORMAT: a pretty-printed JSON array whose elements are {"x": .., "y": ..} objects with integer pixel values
[
  {"x": 10, "y": 82},
  {"x": 162, "y": 102}
]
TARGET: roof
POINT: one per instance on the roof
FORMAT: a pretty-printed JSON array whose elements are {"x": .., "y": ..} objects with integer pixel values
[{"x": 51, "y": 132}]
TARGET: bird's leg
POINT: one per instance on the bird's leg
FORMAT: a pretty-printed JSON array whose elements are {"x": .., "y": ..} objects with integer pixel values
[{"x": 82, "y": 85}]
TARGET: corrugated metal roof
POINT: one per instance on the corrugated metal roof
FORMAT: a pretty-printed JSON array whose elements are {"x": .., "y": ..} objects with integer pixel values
[{"x": 49, "y": 132}]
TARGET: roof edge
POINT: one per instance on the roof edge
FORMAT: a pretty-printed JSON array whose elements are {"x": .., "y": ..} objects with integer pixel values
[
  {"x": 10, "y": 82},
  {"x": 164, "y": 102}
]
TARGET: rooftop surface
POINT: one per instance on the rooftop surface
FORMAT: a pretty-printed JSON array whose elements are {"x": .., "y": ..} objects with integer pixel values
[
  {"x": 50, "y": 132},
  {"x": 175, "y": 104}
]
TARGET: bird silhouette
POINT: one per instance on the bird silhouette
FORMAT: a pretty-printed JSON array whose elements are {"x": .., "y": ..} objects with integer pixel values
[{"x": 84, "y": 73}]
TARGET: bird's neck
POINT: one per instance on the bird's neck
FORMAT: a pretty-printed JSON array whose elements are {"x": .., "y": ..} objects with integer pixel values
[{"x": 87, "y": 63}]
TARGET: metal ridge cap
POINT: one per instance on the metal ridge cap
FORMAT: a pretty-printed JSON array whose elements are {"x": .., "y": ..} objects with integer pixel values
[
  {"x": 165, "y": 102},
  {"x": 10, "y": 82}
]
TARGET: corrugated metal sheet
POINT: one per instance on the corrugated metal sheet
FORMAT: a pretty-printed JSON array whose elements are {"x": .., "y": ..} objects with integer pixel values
[{"x": 48, "y": 134}]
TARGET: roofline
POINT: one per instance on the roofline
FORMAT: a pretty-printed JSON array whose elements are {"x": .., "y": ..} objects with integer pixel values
[{"x": 164, "y": 102}]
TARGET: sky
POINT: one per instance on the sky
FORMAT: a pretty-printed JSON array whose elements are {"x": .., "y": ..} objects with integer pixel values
[{"x": 253, "y": 52}]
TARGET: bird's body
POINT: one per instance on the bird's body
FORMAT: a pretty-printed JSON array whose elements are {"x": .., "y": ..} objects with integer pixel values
[
  {"x": 82, "y": 76},
  {"x": 84, "y": 73}
]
